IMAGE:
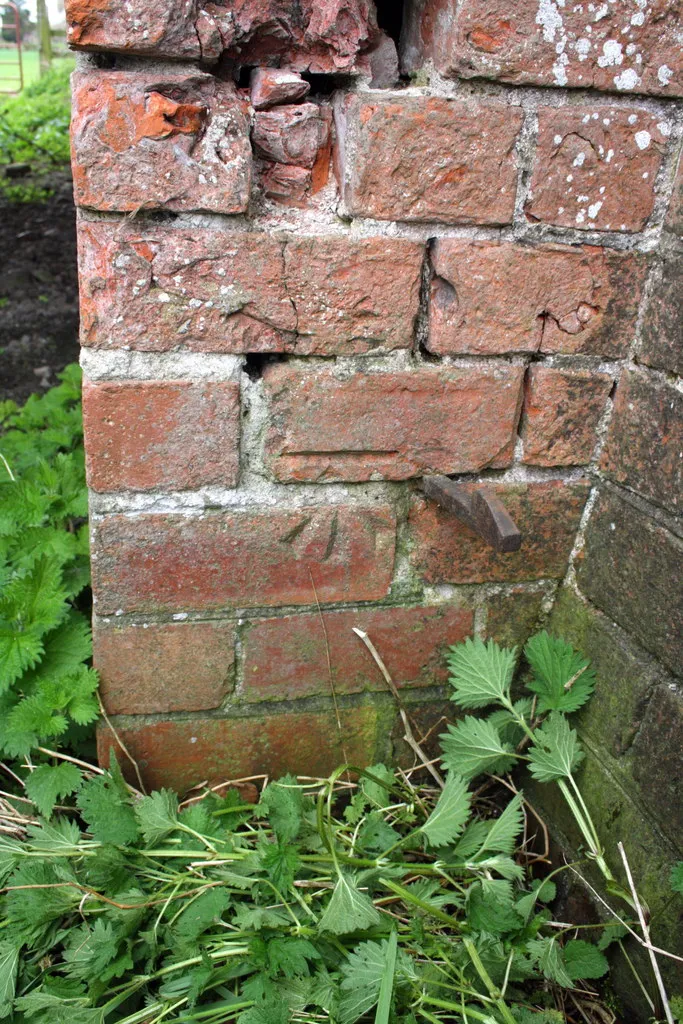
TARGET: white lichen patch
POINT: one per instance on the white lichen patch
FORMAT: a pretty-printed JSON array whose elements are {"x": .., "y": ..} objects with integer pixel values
[
  {"x": 612, "y": 54},
  {"x": 643, "y": 139}
]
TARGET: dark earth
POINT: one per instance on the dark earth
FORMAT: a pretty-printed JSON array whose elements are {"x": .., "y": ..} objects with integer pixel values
[{"x": 38, "y": 291}]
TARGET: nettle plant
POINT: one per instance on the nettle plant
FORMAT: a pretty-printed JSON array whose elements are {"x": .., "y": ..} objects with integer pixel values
[
  {"x": 532, "y": 730},
  {"x": 47, "y": 689},
  {"x": 364, "y": 897}
]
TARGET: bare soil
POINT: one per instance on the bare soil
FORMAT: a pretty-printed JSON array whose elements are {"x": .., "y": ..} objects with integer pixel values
[{"x": 38, "y": 291}]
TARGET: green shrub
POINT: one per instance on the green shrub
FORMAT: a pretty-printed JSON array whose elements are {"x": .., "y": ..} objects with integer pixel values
[
  {"x": 34, "y": 128},
  {"x": 383, "y": 900},
  {"x": 47, "y": 690}
]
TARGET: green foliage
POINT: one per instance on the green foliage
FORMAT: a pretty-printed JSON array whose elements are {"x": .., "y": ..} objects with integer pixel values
[
  {"x": 47, "y": 689},
  {"x": 677, "y": 877},
  {"x": 164, "y": 913},
  {"x": 34, "y": 128}
]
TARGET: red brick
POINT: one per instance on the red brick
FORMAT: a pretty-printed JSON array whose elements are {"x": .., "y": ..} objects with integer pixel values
[
  {"x": 292, "y": 134},
  {"x": 562, "y": 412},
  {"x": 175, "y": 141},
  {"x": 286, "y": 658},
  {"x": 390, "y": 425},
  {"x": 644, "y": 448},
  {"x": 287, "y": 183},
  {"x": 619, "y": 48},
  {"x": 319, "y": 35},
  {"x": 162, "y": 287},
  {"x": 155, "y": 668},
  {"x": 429, "y": 159},
  {"x": 142, "y": 435},
  {"x": 548, "y": 515},
  {"x": 490, "y": 298},
  {"x": 182, "y": 754},
  {"x": 270, "y": 87},
  {"x": 595, "y": 167},
  {"x": 136, "y": 26},
  {"x": 242, "y": 559}
]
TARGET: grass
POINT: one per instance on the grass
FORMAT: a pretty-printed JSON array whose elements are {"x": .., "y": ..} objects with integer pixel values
[{"x": 9, "y": 69}]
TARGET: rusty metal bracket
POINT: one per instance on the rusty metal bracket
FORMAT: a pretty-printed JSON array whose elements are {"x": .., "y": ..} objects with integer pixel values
[{"x": 479, "y": 509}]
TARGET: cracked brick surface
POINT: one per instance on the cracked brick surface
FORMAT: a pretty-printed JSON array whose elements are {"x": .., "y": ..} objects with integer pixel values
[
  {"x": 161, "y": 287},
  {"x": 492, "y": 298},
  {"x": 174, "y": 141},
  {"x": 596, "y": 167},
  {"x": 319, "y": 36},
  {"x": 617, "y": 47}
]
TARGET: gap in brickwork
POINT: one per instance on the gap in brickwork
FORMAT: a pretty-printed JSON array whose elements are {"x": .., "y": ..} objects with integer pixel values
[
  {"x": 326, "y": 85},
  {"x": 390, "y": 17},
  {"x": 256, "y": 362}
]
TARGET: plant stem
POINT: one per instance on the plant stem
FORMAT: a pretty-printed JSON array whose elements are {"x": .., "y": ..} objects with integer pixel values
[{"x": 495, "y": 994}]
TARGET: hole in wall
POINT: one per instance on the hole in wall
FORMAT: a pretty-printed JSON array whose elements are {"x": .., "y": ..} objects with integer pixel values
[
  {"x": 256, "y": 362},
  {"x": 325, "y": 85},
  {"x": 390, "y": 17}
]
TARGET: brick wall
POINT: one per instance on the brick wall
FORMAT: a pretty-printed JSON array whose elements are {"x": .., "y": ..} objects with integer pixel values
[{"x": 307, "y": 281}]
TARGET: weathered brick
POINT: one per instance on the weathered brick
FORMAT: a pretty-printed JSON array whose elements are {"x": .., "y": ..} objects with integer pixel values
[
  {"x": 390, "y": 425},
  {"x": 153, "y": 668},
  {"x": 562, "y": 411},
  {"x": 320, "y": 36},
  {"x": 547, "y": 514},
  {"x": 242, "y": 558},
  {"x": 181, "y": 754},
  {"x": 644, "y": 448},
  {"x": 286, "y": 658},
  {"x": 142, "y": 435},
  {"x": 493, "y": 297},
  {"x": 659, "y": 778},
  {"x": 162, "y": 287},
  {"x": 662, "y": 328},
  {"x": 292, "y": 134},
  {"x": 631, "y": 568},
  {"x": 270, "y": 87},
  {"x": 429, "y": 159},
  {"x": 595, "y": 167},
  {"x": 626, "y": 675},
  {"x": 287, "y": 183},
  {"x": 172, "y": 141},
  {"x": 511, "y": 618},
  {"x": 618, "y": 48},
  {"x": 136, "y": 26}
]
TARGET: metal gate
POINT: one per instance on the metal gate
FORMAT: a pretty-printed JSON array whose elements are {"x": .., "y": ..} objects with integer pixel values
[{"x": 11, "y": 63}]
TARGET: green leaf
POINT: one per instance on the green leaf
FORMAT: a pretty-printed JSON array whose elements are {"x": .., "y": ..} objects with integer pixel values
[
  {"x": 612, "y": 932},
  {"x": 450, "y": 815},
  {"x": 290, "y": 956},
  {"x": 583, "y": 960},
  {"x": 46, "y": 785},
  {"x": 386, "y": 989},
  {"x": 490, "y": 909},
  {"x": 90, "y": 949},
  {"x": 556, "y": 751},
  {"x": 677, "y": 877},
  {"x": 481, "y": 673},
  {"x": 282, "y": 803},
  {"x": 20, "y": 649},
  {"x": 562, "y": 678},
  {"x": 204, "y": 911},
  {"x": 547, "y": 955},
  {"x": 157, "y": 815},
  {"x": 362, "y": 973},
  {"x": 474, "y": 746},
  {"x": 503, "y": 831},
  {"x": 105, "y": 805},
  {"x": 273, "y": 1011},
  {"x": 349, "y": 910},
  {"x": 9, "y": 961}
]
